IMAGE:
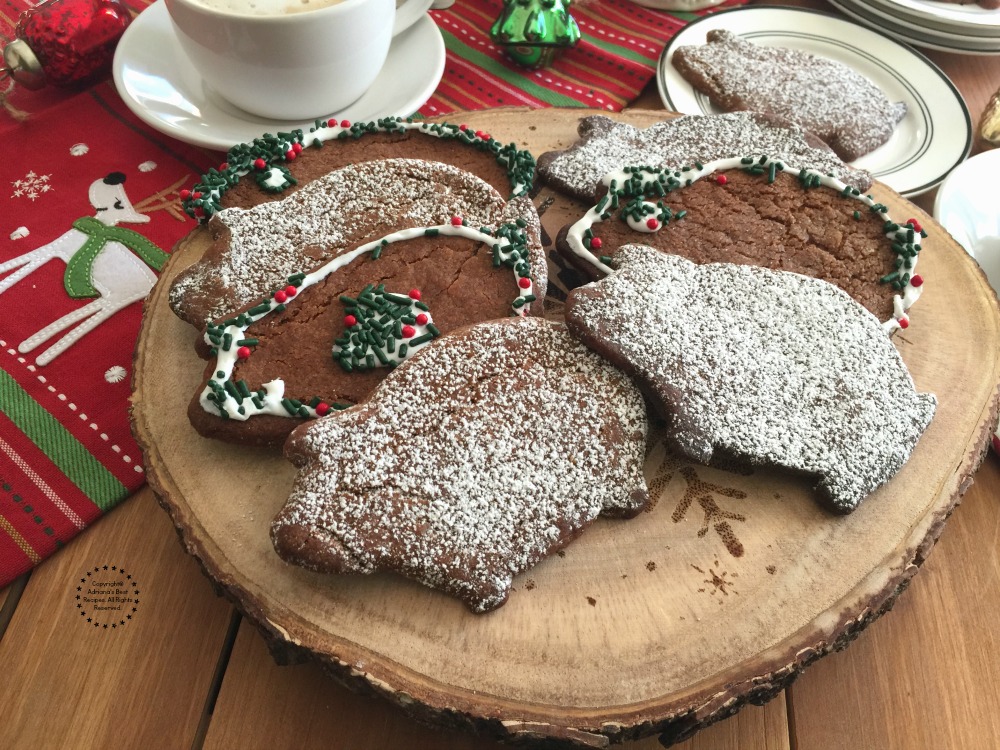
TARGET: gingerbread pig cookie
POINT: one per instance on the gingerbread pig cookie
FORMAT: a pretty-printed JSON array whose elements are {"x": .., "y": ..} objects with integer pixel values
[
  {"x": 273, "y": 169},
  {"x": 757, "y": 211},
  {"x": 763, "y": 366},
  {"x": 606, "y": 146},
  {"x": 469, "y": 464},
  {"x": 827, "y": 98},
  {"x": 325, "y": 337}
]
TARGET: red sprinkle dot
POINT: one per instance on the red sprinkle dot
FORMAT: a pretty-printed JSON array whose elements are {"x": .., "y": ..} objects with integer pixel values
[
  {"x": 409, "y": 332},
  {"x": 422, "y": 319},
  {"x": 185, "y": 194},
  {"x": 456, "y": 221},
  {"x": 595, "y": 243},
  {"x": 332, "y": 123},
  {"x": 243, "y": 352},
  {"x": 259, "y": 163},
  {"x": 297, "y": 147},
  {"x": 916, "y": 280},
  {"x": 915, "y": 224},
  {"x": 345, "y": 123},
  {"x": 291, "y": 290},
  {"x": 199, "y": 211},
  {"x": 415, "y": 294},
  {"x": 524, "y": 282},
  {"x": 224, "y": 166},
  {"x": 463, "y": 127},
  {"x": 350, "y": 320},
  {"x": 722, "y": 179},
  {"x": 280, "y": 296},
  {"x": 290, "y": 154},
  {"x": 485, "y": 136},
  {"x": 652, "y": 223},
  {"x": 904, "y": 322},
  {"x": 322, "y": 409},
  {"x": 480, "y": 134},
  {"x": 196, "y": 195}
]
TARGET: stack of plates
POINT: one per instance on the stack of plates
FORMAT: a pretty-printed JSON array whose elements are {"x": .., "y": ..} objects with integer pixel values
[{"x": 968, "y": 29}]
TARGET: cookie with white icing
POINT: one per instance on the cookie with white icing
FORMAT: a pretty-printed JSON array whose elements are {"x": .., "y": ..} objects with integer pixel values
[
  {"x": 469, "y": 464},
  {"x": 274, "y": 168},
  {"x": 763, "y": 366},
  {"x": 449, "y": 253},
  {"x": 606, "y": 146},
  {"x": 757, "y": 211},
  {"x": 829, "y": 99}
]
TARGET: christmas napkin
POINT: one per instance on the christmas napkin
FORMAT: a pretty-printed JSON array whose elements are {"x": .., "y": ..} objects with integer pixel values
[
  {"x": 89, "y": 211},
  {"x": 608, "y": 68}
]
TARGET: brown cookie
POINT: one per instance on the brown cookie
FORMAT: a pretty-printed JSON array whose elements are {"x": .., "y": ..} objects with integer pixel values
[
  {"x": 326, "y": 337},
  {"x": 486, "y": 452},
  {"x": 606, "y": 146},
  {"x": 757, "y": 211},
  {"x": 825, "y": 97},
  {"x": 763, "y": 366},
  {"x": 273, "y": 168}
]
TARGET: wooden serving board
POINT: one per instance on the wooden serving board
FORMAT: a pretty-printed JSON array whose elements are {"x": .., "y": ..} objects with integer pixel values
[{"x": 720, "y": 595}]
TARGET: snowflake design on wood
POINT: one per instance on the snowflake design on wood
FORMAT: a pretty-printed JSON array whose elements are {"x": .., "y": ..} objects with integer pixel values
[
  {"x": 704, "y": 493},
  {"x": 31, "y": 186}
]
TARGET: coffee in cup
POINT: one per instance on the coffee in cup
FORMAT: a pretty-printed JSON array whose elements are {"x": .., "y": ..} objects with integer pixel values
[{"x": 290, "y": 59}]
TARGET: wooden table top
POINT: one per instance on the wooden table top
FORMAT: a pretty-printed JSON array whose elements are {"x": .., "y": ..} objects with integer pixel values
[{"x": 187, "y": 671}]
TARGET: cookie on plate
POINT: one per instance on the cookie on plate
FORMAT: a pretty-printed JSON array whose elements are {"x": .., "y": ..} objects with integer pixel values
[
  {"x": 438, "y": 249},
  {"x": 605, "y": 146},
  {"x": 761, "y": 366},
  {"x": 757, "y": 211},
  {"x": 274, "y": 168},
  {"x": 473, "y": 461},
  {"x": 832, "y": 101}
]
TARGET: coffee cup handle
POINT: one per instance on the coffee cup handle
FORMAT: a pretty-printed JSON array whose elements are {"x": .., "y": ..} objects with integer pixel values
[{"x": 408, "y": 13}]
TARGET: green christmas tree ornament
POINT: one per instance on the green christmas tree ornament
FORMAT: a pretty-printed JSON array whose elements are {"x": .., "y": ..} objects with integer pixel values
[{"x": 532, "y": 32}]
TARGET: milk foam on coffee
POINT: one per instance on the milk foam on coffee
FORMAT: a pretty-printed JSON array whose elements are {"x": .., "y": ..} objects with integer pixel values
[{"x": 266, "y": 7}]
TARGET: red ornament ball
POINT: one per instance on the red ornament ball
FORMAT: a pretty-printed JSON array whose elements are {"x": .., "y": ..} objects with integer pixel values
[
  {"x": 297, "y": 147},
  {"x": 415, "y": 294},
  {"x": 422, "y": 319},
  {"x": 652, "y": 223},
  {"x": 904, "y": 322},
  {"x": 916, "y": 280},
  {"x": 290, "y": 155},
  {"x": 456, "y": 221},
  {"x": 595, "y": 243},
  {"x": 280, "y": 296},
  {"x": 291, "y": 290},
  {"x": 243, "y": 352},
  {"x": 409, "y": 332},
  {"x": 345, "y": 123},
  {"x": 184, "y": 194},
  {"x": 350, "y": 320},
  {"x": 259, "y": 163},
  {"x": 331, "y": 123},
  {"x": 524, "y": 282},
  {"x": 322, "y": 409},
  {"x": 722, "y": 179}
]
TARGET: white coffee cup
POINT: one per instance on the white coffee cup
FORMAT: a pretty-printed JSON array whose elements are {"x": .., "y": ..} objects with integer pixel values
[{"x": 282, "y": 60}]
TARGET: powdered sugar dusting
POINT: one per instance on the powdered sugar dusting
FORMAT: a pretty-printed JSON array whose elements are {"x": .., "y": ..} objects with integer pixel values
[
  {"x": 683, "y": 141},
  {"x": 328, "y": 216},
  {"x": 472, "y": 461},
  {"x": 826, "y": 97},
  {"x": 772, "y": 366}
]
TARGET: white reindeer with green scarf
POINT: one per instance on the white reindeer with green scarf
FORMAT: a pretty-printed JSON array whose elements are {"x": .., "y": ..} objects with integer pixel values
[{"x": 113, "y": 264}]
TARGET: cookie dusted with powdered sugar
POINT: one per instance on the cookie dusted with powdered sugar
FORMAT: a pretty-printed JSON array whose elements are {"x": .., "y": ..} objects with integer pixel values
[
  {"x": 606, "y": 146},
  {"x": 757, "y": 211},
  {"x": 768, "y": 367},
  {"x": 324, "y": 337},
  {"x": 486, "y": 452},
  {"x": 827, "y": 98}
]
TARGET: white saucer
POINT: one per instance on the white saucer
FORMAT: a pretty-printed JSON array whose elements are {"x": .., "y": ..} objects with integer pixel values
[
  {"x": 935, "y": 135},
  {"x": 162, "y": 87},
  {"x": 966, "y": 206}
]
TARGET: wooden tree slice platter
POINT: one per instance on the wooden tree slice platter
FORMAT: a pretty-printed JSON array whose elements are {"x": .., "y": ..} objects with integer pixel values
[{"x": 718, "y": 596}]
